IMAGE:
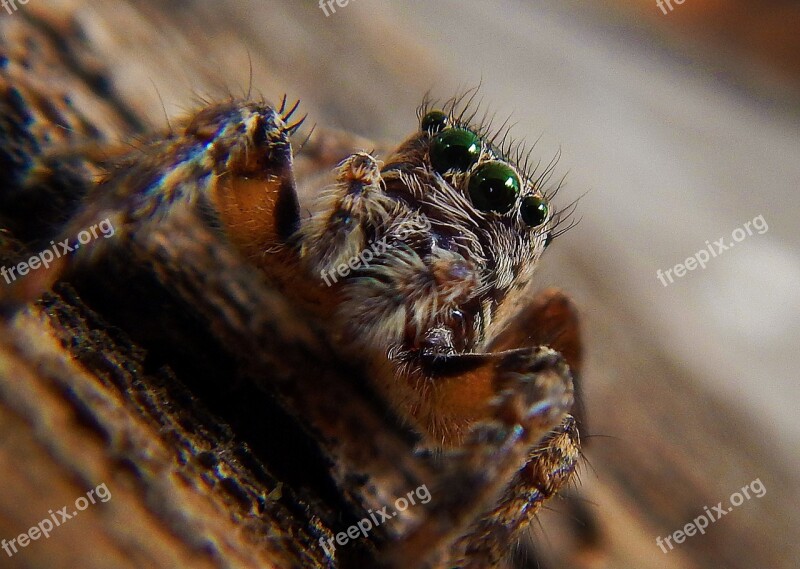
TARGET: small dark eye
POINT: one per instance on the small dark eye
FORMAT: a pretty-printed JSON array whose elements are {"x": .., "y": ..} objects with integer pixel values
[
  {"x": 456, "y": 148},
  {"x": 494, "y": 186},
  {"x": 533, "y": 211},
  {"x": 434, "y": 122}
]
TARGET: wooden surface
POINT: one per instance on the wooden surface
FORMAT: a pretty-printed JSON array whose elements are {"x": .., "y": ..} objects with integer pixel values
[{"x": 692, "y": 388}]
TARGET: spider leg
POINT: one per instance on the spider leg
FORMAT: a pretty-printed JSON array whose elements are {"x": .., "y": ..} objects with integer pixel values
[
  {"x": 253, "y": 321},
  {"x": 534, "y": 396},
  {"x": 346, "y": 216},
  {"x": 549, "y": 468},
  {"x": 232, "y": 160},
  {"x": 550, "y": 319},
  {"x": 474, "y": 386}
]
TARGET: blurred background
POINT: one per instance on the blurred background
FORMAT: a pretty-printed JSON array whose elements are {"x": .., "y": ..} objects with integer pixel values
[{"x": 676, "y": 124}]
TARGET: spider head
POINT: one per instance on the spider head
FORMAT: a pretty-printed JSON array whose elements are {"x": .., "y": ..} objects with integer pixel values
[{"x": 486, "y": 214}]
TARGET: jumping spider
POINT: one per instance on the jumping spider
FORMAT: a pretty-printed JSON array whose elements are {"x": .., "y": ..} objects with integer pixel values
[{"x": 439, "y": 316}]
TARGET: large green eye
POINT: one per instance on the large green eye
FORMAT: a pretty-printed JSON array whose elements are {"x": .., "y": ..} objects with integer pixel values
[
  {"x": 434, "y": 121},
  {"x": 455, "y": 148},
  {"x": 494, "y": 186},
  {"x": 533, "y": 211}
]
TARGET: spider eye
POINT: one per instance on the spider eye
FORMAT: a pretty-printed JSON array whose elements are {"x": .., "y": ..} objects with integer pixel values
[
  {"x": 494, "y": 186},
  {"x": 455, "y": 148},
  {"x": 434, "y": 121},
  {"x": 533, "y": 211}
]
